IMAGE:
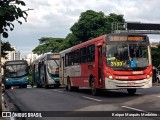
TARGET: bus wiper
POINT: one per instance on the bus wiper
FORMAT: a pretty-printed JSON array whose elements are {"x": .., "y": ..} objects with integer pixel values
[{"x": 56, "y": 63}]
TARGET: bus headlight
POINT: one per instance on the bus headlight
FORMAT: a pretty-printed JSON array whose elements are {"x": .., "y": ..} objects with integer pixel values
[
  {"x": 49, "y": 79},
  {"x": 111, "y": 77},
  {"x": 27, "y": 78},
  {"x": 6, "y": 79},
  {"x": 148, "y": 76}
]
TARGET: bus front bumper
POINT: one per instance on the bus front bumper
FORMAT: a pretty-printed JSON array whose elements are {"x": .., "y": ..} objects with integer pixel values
[
  {"x": 16, "y": 81},
  {"x": 121, "y": 84}
]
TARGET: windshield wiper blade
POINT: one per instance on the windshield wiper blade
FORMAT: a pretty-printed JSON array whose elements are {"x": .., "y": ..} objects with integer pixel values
[{"x": 56, "y": 63}]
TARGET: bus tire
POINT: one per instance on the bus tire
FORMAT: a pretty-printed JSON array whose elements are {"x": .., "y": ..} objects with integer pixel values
[
  {"x": 57, "y": 86},
  {"x": 7, "y": 87},
  {"x": 38, "y": 86},
  {"x": 69, "y": 87},
  {"x": 131, "y": 91},
  {"x": 24, "y": 86},
  {"x": 76, "y": 88},
  {"x": 66, "y": 87},
  {"x": 46, "y": 86},
  {"x": 93, "y": 88}
]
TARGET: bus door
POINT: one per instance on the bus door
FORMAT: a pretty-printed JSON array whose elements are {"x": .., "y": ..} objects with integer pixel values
[
  {"x": 100, "y": 66},
  {"x": 42, "y": 73},
  {"x": 38, "y": 73},
  {"x": 62, "y": 70}
]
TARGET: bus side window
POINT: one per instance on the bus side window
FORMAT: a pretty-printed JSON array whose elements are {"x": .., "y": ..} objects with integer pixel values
[
  {"x": 70, "y": 58},
  {"x": 90, "y": 53},
  {"x": 66, "y": 59},
  {"x": 76, "y": 57},
  {"x": 93, "y": 53},
  {"x": 83, "y": 55}
]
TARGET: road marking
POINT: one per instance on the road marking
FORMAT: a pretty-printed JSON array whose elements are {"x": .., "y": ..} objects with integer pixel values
[
  {"x": 58, "y": 91},
  {"x": 92, "y": 98},
  {"x": 133, "y": 108},
  {"x": 157, "y": 96}
]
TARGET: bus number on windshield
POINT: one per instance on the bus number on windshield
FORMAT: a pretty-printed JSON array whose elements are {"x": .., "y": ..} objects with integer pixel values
[{"x": 116, "y": 64}]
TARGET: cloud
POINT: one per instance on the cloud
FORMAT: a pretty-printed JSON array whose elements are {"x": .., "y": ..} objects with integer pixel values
[{"x": 53, "y": 18}]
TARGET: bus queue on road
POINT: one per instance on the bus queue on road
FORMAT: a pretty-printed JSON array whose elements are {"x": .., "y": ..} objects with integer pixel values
[{"x": 108, "y": 62}]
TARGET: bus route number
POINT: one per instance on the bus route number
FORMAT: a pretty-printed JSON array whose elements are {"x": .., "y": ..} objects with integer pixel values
[{"x": 116, "y": 63}]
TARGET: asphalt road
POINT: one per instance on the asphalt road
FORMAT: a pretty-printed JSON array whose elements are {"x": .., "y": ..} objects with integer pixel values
[{"x": 58, "y": 99}]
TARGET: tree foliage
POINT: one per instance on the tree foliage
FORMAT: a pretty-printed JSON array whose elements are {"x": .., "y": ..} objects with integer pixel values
[
  {"x": 10, "y": 11},
  {"x": 156, "y": 56},
  {"x": 5, "y": 47},
  {"x": 91, "y": 24},
  {"x": 48, "y": 44}
]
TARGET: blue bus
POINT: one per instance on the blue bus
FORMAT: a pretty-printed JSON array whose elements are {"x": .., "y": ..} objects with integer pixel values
[
  {"x": 45, "y": 71},
  {"x": 16, "y": 74}
]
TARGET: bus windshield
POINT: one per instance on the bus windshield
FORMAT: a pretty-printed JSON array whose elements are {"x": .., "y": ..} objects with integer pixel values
[
  {"x": 16, "y": 70},
  {"x": 127, "y": 55},
  {"x": 53, "y": 66}
]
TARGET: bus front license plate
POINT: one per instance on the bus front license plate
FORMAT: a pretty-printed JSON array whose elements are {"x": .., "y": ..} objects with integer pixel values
[{"x": 130, "y": 83}]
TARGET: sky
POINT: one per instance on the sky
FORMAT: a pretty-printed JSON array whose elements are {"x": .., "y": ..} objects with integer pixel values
[{"x": 53, "y": 18}]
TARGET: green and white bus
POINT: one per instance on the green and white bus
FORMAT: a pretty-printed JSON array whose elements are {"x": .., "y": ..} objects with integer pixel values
[{"x": 45, "y": 71}]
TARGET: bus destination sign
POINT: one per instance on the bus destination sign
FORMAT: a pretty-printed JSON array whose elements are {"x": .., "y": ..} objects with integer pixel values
[
  {"x": 127, "y": 38},
  {"x": 54, "y": 56}
]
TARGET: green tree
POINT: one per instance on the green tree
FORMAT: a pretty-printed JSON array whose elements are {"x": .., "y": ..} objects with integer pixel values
[
  {"x": 156, "y": 56},
  {"x": 5, "y": 47},
  {"x": 69, "y": 41},
  {"x": 10, "y": 11},
  {"x": 48, "y": 44},
  {"x": 92, "y": 24}
]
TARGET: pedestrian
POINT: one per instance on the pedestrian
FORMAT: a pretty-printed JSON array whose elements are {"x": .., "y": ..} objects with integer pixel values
[{"x": 154, "y": 74}]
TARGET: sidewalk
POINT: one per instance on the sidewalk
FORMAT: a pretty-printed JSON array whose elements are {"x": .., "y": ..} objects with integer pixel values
[{"x": 4, "y": 104}]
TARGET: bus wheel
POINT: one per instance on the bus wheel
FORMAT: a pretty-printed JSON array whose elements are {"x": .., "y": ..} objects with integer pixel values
[
  {"x": 7, "y": 87},
  {"x": 158, "y": 80},
  {"x": 46, "y": 86},
  {"x": 69, "y": 87},
  {"x": 38, "y": 86},
  {"x": 76, "y": 88},
  {"x": 24, "y": 86},
  {"x": 66, "y": 87},
  {"x": 93, "y": 88},
  {"x": 57, "y": 85},
  {"x": 131, "y": 91}
]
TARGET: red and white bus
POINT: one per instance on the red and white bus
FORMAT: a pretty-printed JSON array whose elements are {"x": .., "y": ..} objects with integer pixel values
[{"x": 113, "y": 61}]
